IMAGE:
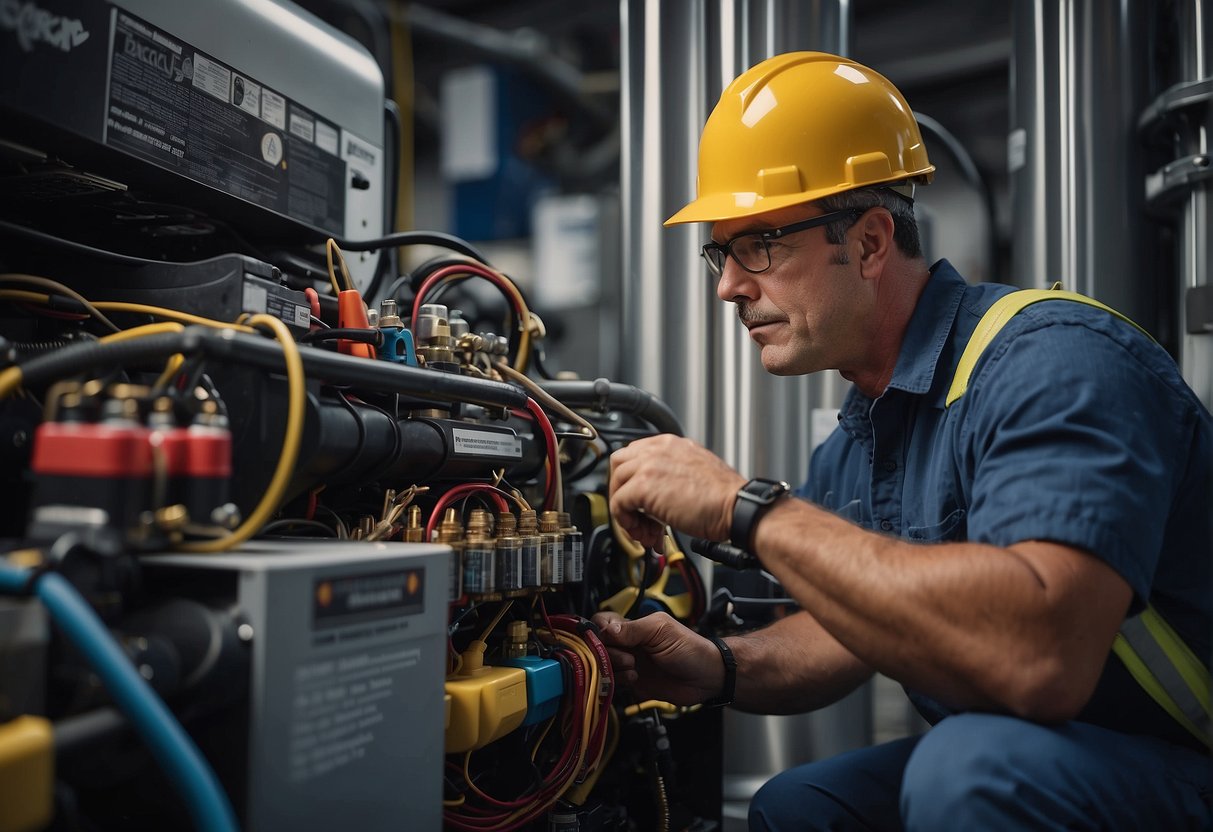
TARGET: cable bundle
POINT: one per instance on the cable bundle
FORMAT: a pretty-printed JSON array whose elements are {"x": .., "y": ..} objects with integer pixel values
[{"x": 584, "y": 720}]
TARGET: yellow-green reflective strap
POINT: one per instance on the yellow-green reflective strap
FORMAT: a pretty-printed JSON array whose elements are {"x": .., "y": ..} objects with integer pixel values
[
  {"x": 1153, "y": 653},
  {"x": 995, "y": 319},
  {"x": 1167, "y": 669}
]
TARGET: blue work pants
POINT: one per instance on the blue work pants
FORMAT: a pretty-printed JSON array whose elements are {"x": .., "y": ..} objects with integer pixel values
[{"x": 989, "y": 772}]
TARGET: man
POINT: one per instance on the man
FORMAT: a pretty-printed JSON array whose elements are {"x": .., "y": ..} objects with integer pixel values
[{"x": 983, "y": 552}]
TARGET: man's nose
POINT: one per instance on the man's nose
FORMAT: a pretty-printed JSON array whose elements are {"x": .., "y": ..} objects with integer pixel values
[{"x": 735, "y": 283}]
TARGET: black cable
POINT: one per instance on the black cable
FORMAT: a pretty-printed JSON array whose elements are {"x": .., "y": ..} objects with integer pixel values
[
  {"x": 78, "y": 248},
  {"x": 358, "y": 420},
  {"x": 585, "y": 470},
  {"x": 361, "y": 335},
  {"x": 538, "y": 356},
  {"x": 603, "y": 395},
  {"x": 415, "y": 238},
  {"x": 397, "y": 443}
]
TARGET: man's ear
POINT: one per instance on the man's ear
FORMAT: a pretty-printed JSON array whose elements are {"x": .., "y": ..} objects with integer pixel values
[{"x": 875, "y": 229}]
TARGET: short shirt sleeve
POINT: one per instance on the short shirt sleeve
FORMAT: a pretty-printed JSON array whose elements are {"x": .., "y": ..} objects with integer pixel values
[{"x": 1074, "y": 431}]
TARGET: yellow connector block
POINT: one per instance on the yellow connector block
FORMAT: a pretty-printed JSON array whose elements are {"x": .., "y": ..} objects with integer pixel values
[
  {"x": 27, "y": 774},
  {"x": 485, "y": 706}
]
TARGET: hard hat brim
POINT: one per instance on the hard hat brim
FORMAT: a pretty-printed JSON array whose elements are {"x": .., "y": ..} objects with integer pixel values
[{"x": 718, "y": 207}]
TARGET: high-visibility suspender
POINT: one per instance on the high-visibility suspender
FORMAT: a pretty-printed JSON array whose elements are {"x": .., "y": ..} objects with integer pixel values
[{"x": 1156, "y": 657}]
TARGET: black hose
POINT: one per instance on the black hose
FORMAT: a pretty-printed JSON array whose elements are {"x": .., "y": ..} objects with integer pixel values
[
  {"x": 605, "y": 395},
  {"x": 82, "y": 358},
  {"x": 240, "y": 348}
]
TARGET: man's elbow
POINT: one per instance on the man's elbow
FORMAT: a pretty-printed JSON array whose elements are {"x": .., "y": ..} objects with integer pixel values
[{"x": 1048, "y": 691}]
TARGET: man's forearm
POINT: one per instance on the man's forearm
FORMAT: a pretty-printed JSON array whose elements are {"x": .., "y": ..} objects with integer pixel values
[
  {"x": 793, "y": 666},
  {"x": 1024, "y": 628}
]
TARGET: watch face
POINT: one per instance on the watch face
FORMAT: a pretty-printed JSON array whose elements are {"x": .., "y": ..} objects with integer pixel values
[{"x": 765, "y": 490}]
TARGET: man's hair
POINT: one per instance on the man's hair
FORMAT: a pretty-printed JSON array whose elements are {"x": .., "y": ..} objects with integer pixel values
[{"x": 905, "y": 226}]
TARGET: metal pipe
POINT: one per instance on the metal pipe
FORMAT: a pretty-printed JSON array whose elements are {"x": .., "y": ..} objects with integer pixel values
[
  {"x": 1078, "y": 84},
  {"x": 1196, "y": 221}
]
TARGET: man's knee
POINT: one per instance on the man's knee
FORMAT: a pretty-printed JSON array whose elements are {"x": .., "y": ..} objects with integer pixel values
[
  {"x": 784, "y": 802},
  {"x": 981, "y": 769}
]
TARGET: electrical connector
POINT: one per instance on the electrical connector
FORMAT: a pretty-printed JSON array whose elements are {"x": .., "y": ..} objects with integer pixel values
[{"x": 486, "y": 702}]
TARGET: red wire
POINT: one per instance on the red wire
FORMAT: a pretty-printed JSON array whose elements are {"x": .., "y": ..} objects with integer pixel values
[
  {"x": 549, "y": 476},
  {"x": 549, "y": 435},
  {"x": 460, "y": 491},
  {"x": 464, "y": 270}
]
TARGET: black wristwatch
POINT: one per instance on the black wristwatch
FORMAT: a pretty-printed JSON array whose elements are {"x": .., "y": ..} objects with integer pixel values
[
  {"x": 729, "y": 687},
  {"x": 754, "y": 498}
]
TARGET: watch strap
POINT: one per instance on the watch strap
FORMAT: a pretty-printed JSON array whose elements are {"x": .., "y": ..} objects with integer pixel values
[
  {"x": 729, "y": 688},
  {"x": 753, "y": 499}
]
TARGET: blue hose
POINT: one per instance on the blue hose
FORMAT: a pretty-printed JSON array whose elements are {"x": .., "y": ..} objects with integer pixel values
[{"x": 172, "y": 748}]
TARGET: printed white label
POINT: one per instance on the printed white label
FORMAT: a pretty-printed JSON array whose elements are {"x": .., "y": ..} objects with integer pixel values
[
  {"x": 273, "y": 108},
  {"x": 336, "y": 705},
  {"x": 303, "y": 127},
  {"x": 484, "y": 443},
  {"x": 211, "y": 77},
  {"x": 303, "y": 316},
  {"x": 326, "y": 137}
]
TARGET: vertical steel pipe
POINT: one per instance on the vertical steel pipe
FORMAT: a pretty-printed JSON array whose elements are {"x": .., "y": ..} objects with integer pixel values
[{"x": 1079, "y": 79}]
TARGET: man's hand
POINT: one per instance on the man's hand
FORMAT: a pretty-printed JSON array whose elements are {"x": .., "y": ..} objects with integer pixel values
[
  {"x": 667, "y": 479},
  {"x": 661, "y": 659}
]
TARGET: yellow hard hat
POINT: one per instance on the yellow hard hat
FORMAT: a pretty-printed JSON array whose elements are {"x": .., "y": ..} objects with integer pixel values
[{"x": 799, "y": 127}]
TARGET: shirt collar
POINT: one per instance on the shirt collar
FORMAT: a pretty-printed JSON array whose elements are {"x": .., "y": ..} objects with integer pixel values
[{"x": 929, "y": 329}]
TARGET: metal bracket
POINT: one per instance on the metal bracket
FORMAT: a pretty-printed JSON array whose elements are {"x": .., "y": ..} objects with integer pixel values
[
  {"x": 1181, "y": 96},
  {"x": 1175, "y": 179}
]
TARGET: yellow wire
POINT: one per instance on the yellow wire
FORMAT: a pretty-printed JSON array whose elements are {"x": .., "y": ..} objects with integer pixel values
[
  {"x": 656, "y": 705},
  {"x": 331, "y": 247},
  {"x": 170, "y": 314},
  {"x": 25, "y": 295},
  {"x": 170, "y": 370},
  {"x": 142, "y": 332},
  {"x": 291, "y": 440},
  {"x": 47, "y": 283}
]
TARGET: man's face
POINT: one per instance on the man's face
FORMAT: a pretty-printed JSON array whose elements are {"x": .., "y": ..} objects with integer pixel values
[{"x": 805, "y": 311}]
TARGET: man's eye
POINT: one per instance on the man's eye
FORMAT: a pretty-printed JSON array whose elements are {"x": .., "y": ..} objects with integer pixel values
[{"x": 748, "y": 246}]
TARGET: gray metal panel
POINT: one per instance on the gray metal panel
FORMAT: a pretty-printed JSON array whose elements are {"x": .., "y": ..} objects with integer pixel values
[
  {"x": 285, "y": 47},
  {"x": 291, "y": 51},
  {"x": 345, "y": 714}
]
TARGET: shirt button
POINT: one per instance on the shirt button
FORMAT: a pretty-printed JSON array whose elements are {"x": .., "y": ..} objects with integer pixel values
[
  {"x": 886, "y": 525},
  {"x": 890, "y": 465}
]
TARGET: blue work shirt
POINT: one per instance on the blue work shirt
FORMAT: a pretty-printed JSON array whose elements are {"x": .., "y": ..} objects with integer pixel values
[{"x": 1076, "y": 428}]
